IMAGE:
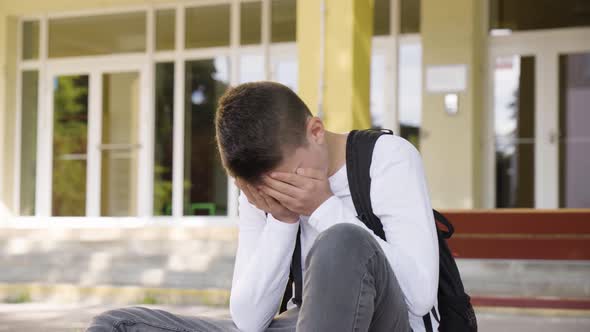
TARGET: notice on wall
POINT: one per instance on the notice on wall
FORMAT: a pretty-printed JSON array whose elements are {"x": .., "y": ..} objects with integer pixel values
[{"x": 444, "y": 79}]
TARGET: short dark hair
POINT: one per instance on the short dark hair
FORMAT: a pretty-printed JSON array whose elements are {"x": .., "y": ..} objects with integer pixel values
[{"x": 256, "y": 124}]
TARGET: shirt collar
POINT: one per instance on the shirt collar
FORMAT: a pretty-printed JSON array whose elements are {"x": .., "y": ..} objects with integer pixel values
[{"x": 338, "y": 180}]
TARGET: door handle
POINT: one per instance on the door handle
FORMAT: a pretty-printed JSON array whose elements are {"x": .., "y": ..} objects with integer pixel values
[
  {"x": 553, "y": 137},
  {"x": 119, "y": 147}
]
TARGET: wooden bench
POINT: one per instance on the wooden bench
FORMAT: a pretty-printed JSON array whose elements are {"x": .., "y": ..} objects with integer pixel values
[
  {"x": 530, "y": 234},
  {"x": 521, "y": 234}
]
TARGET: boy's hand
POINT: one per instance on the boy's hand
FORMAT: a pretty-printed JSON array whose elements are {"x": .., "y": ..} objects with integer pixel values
[
  {"x": 266, "y": 203},
  {"x": 302, "y": 192}
]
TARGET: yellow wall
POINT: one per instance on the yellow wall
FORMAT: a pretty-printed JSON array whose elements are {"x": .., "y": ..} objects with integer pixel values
[
  {"x": 8, "y": 27},
  {"x": 453, "y": 32},
  {"x": 348, "y": 34}
]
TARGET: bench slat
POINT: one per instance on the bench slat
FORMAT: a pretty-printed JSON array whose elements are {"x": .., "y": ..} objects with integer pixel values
[{"x": 521, "y": 234}]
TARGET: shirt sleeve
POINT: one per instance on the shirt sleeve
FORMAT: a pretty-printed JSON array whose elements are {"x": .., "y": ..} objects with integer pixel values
[
  {"x": 399, "y": 197},
  {"x": 261, "y": 271}
]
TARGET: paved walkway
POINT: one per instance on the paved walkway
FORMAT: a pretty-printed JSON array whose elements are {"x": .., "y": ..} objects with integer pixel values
[{"x": 29, "y": 317}]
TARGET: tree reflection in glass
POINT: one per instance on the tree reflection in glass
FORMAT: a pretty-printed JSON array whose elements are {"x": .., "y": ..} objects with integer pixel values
[
  {"x": 70, "y": 132},
  {"x": 205, "y": 182}
]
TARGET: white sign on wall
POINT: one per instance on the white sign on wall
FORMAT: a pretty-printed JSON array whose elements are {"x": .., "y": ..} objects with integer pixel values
[{"x": 449, "y": 78}]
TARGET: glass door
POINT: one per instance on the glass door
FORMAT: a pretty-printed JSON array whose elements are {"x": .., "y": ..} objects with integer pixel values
[
  {"x": 514, "y": 131},
  {"x": 92, "y": 139},
  {"x": 119, "y": 145},
  {"x": 69, "y": 145},
  {"x": 574, "y": 130},
  {"x": 539, "y": 120}
]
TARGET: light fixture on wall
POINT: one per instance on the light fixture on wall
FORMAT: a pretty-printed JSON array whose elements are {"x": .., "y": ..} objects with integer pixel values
[{"x": 451, "y": 103}]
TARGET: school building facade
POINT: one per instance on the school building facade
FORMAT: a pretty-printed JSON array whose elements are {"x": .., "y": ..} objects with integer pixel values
[{"x": 107, "y": 107}]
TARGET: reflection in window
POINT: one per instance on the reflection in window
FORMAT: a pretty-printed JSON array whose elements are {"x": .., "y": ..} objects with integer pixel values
[
  {"x": 506, "y": 15},
  {"x": 165, "y": 27},
  {"x": 70, "y": 132},
  {"x": 205, "y": 181},
  {"x": 381, "y": 17},
  {"x": 410, "y": 92},
  {"x": 410, "y": 16},
  {"x": 30, "y": 40},
  {"x": 283, "y": 20},
  {"x": 97, "y": 35},
  {"x": 377, "y": 102},
  {"x": 28, "y": 157},
  {"x": 284, "y": 71},
  {"x": 207, "y": 26},
  {"x": 163, "y": 139},
  {"x": 514, "y": 122},
  {"x": 120, "y": 144},
  {"x": 251, "y": 68},
  {"x": 574, "y": 121},
  {"x": 250, "y": 22}
]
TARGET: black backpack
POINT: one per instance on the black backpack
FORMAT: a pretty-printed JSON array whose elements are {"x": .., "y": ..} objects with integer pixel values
[{"x": 456, "y": 312}]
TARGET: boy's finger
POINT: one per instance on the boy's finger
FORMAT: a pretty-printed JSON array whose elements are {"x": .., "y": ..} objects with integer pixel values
[
  {"x": 274, "y": 203},
  {"x": 254, "y": 193},
  {"x": 291, "y": 178},
  {"x": 270, "y": 202},
  {"x": 248, "y": 194},
  {"x": 279, "y": 196},
  {"x": 312, "y": 173},
  {"x": 282, "y": 187}
]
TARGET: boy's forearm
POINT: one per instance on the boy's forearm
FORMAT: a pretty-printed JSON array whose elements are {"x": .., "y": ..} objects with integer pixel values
[{"x": 262, "y": 276}]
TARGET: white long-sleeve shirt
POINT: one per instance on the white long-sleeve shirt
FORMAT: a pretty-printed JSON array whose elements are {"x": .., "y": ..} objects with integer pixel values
[{"x": 399, "y": 196}]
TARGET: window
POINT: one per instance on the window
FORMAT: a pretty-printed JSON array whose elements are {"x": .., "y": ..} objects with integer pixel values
[
  {"x": 164, "y": 137},
  {"x": 538, "y": 14},
  {"x": 574, "y": 138},
  {"x": 514, "y": 122},
  {"x": 97, "y": 35},
  {"x": 283, "y": 21},
  {"x": 250, "y": 23},
  {"x": 205, "y": 181},
  {"x": 377, "y": 99},
  {"x": 70, "y": 134},
  {"x": 207, "y": 26},
  {"x": 120, "y": 144},
  {"x": 28, "y": 156},
  {"x": 410, "y": 91},
  {"x": 284, "y": 70},
  {"x": 30, "y": 40},
  {"x": 410, "y": 16},
  {"x": 251, "y": 68},
  {"x": 165, "y": 28},
  {"x": 381, "y": 17},
  {"x": 98, "y": 139}
]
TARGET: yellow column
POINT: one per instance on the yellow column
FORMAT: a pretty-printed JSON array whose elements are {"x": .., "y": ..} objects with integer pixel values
[
  {"x": 347, "y": 58},
  {"x": 453, "y": 32},
  {"x": 8, "y": 31}
]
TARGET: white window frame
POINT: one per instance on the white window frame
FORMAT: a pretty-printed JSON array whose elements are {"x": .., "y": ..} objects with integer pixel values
[
  {"x": 95, "y": 68},
  {"x": 147, "y": 61},
  {"x": 545, "y": 46},
  {"x": 144, "y": 63}
]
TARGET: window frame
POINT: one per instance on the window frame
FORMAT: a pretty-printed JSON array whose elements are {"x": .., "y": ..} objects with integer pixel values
[
  {"x": 546, "y": 46},
  {"x": 179, "y": 55},
  {"x": 147, "y": 61}
]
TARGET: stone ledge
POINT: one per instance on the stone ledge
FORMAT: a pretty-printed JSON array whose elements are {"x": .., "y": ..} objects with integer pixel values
[{"x": 123, "y": 295}]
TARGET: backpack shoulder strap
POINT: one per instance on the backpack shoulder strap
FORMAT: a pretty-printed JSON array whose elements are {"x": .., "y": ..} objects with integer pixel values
[{"x": 359, "y": 154}]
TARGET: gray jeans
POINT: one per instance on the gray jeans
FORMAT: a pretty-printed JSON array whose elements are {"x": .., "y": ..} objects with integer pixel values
[{"x": 348, "y": 286}]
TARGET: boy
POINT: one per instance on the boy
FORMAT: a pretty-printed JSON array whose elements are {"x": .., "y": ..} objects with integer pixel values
[{"x": 292, "y": 174}]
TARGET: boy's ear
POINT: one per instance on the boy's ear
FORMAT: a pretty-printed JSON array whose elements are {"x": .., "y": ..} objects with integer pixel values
[{"x": 315, "y": 130}]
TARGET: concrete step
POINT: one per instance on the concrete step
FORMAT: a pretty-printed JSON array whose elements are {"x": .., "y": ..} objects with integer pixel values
[
  {"x": 74, "y": 317},
  {"x": 38, "y": 262}
]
